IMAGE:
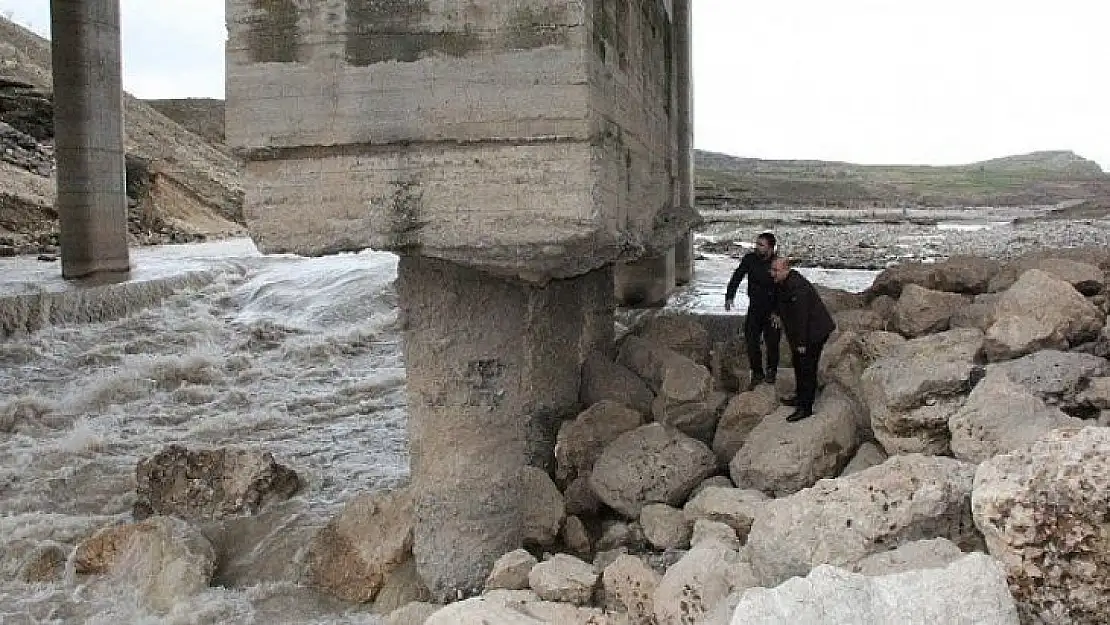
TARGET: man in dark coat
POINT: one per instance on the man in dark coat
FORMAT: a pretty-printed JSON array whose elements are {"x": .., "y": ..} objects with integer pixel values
[
  {"x": 808, "y": 325},
  {"x": 756, "y": 266}
]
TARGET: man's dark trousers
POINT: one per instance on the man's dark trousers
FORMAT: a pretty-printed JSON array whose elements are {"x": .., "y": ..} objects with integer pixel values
[
  {"x": 805, "y": 373},
  {"x": 758, "y": 325}
]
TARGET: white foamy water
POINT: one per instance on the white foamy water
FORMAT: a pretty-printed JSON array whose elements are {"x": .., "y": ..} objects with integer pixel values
[{"x": 298, "y": 356}]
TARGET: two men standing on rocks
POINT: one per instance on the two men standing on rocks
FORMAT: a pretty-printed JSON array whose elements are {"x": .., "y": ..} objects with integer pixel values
[{"x": 781, "y": 298}]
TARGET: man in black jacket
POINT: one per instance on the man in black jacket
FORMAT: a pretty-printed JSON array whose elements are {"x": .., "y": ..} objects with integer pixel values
[
  {"x": 808, "y": 325},
  {"x": 761, "y": 307}
]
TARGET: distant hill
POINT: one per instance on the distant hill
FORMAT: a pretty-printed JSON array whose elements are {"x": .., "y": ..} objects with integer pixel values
[{"x": 1040, "y": 178}]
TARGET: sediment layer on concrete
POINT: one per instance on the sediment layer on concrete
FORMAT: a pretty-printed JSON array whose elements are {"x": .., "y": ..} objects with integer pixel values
[
  {"x": 530, "y": 139},
  {"x": 492, "y": 368}
]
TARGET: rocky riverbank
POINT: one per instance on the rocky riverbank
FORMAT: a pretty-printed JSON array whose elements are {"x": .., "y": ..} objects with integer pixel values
[
  {"x": 859, "y": 243},
  {"x": 955, "y": 471}
]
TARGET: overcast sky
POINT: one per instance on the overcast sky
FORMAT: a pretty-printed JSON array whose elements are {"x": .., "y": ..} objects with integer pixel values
[{"x": 868, "y": 81}]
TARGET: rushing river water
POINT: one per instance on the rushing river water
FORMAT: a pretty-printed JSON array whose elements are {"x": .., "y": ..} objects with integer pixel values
[{"x": 298, "y": 356}]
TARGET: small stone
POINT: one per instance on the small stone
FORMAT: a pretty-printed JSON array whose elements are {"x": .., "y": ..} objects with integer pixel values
[
  {"x": 665, "y": 527},
  {"x": 575, "y": 537},
  {"x": 565, "y": 579},
  {"x": 511, "y": 570}
]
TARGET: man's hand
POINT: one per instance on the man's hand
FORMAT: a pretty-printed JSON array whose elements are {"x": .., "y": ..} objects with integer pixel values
[
  {"x": 776, "y": 323},
  {"x": 728, "y": 304},
  {"x": 801, "y": 349}
]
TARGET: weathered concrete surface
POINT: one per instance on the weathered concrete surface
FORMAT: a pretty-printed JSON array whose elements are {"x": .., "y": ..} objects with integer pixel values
[
  {"x": 540, "y": 145},
  {"x": 88, "y": 138},
  {"x": 684, "y": 259},
  {"x": 645, "y": 282},
  {"x": 493, "y": 367}
]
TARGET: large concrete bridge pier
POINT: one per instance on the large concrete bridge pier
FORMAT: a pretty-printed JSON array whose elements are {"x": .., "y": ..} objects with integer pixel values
[
  {"x": 88, "y": 138},
  {"x": 515, "y": 155}
]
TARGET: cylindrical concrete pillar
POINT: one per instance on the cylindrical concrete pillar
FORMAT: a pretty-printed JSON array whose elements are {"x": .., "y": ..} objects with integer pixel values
[
  {"x": 645, "y": 282},
  {"x": 88, "y": 138},
  {"x": 493, "y": 367},
  {"x": 684, "y": 110},
  {"x": 684, "y": 259},
  {"x": 684, "y": 133}
]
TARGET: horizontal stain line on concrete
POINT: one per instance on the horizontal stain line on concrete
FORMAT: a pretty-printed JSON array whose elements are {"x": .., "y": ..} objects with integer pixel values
[{"x": 301, "y": 152}]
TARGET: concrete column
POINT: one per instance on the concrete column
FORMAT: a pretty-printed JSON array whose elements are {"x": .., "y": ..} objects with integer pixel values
[
  {"x": 493, "y": 367},
  {"x": 684, "y": 110},
  {"x": 645, "y": 282},
  {"x": 684, "y": 259},
  {"x": 88, "y": 138},
  {"x": 684, "y": 117}
]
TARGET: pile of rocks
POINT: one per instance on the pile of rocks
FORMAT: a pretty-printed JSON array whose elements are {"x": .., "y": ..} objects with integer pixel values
[
  {"x": 201, "y": 517},
  {"x": 956, "y": 470}
]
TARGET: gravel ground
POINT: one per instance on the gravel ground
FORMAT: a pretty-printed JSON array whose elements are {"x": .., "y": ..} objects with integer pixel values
[{"x": 878, "y": 245}]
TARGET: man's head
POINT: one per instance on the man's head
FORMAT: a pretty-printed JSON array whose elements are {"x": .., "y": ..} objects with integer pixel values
[
  {"x": 780, "y": 268},
  {"x": 765, "y": 244}
]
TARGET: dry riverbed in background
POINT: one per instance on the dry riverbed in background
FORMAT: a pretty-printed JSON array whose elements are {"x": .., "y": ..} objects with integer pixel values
[{"x": 877, "y": 238}]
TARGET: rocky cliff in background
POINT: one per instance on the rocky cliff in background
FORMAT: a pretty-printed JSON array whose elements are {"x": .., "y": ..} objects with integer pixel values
[{"x": 180, "y": 187}]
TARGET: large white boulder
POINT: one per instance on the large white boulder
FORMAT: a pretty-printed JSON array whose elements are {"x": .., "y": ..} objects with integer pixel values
[
  {"x": 695, "y": 584},
  {"x": 581, "y": 440},
  {"x": 920, "y": 311},
  {"x": 970, "y": 591},
  {"x": 651, "y": 464},
  {"x": 1043, "y": 511},
  {"x": 1038, "y": 312},
  {"x": 913, "y": 390},
  {"x": 1000, "y": 416},
  {"x": 781, "y": 457},
  {"x": 842, "y": 521}
]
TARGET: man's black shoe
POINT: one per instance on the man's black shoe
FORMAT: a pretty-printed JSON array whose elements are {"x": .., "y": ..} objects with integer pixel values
[
  {"x": 770, "y": 379},
  {"x": 799, "y": 414},
  {"x": 756, "y": 381}
]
